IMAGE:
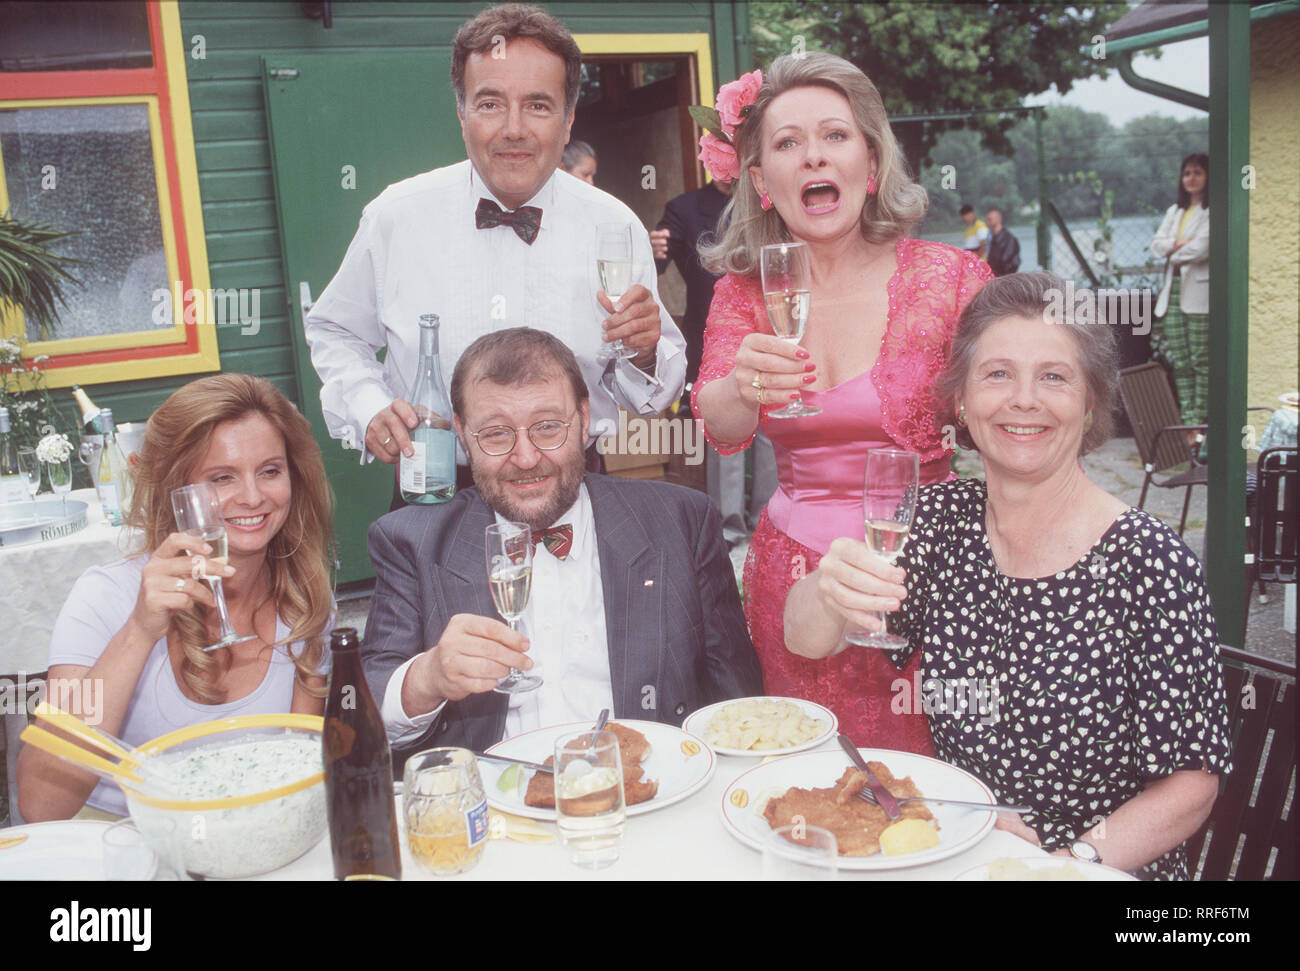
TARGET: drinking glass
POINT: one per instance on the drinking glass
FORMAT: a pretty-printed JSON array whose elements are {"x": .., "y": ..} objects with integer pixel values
[
  {"x": 787, "y": 289},
  {"x": 800, "y": 852},
  {"x": 445, "y": 810},
  {"x": 888, "y": 504},
  {"x": 509, "y": 549},
  {"x": 589, "y": 809},
  {"x": 31, "y": 469},
  {"x": 198, "y": 512},
  {"x": 60, "y": 474},
  {"x": 614, "y": 266},
  {"x": 135, "y": 853}
]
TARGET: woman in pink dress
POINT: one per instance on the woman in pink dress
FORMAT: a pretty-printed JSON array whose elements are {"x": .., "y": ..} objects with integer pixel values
[{"x": 818, "y": 164}]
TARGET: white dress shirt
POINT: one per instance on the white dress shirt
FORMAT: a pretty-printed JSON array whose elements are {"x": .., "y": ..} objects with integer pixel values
[
  {"x": 565, "y": 624},
  {"x": 417, "y": 251}
]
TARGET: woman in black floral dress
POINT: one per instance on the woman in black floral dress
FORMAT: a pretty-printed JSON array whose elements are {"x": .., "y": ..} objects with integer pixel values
[{"x": 1069, "y": 648}]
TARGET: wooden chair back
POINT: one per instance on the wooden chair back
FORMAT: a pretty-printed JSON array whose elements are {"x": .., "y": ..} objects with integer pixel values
[{"x": 1249, "y": 813}]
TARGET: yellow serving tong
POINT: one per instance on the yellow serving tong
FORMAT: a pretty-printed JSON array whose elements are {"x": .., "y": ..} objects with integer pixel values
[
  {"x": 74, "y": 726},
  {"x": 128, "y": 770}
]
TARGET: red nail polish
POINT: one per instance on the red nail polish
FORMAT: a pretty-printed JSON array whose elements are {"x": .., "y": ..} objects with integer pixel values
[
  {"x": 804, "y": 355},
  {"x": 809, "y": 378},
  {"x": 810, "y": 366},
  {"x": 795, "y": 396}
]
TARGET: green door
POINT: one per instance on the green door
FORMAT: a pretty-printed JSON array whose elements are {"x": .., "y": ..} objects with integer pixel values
[{"x": 341, "y": 128}]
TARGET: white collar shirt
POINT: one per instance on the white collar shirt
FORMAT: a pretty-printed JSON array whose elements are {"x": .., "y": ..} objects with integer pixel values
[
  {"x": 565, "y": 625},
  {"x": 418, "y": 251}
]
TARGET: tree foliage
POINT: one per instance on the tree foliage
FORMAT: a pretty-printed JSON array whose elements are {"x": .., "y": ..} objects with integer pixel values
[
  {"x": 1138, "y": 162},
  {"x": 946, "y": 57}
]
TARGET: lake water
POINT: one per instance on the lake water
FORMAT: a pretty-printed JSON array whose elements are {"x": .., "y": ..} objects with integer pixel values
[{"x": 1131, "y": 239}]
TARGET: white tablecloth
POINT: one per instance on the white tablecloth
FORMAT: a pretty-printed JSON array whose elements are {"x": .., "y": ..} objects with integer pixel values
[
  {"x": 36, "y": 579},
  {"x": 686, "y": 841}
]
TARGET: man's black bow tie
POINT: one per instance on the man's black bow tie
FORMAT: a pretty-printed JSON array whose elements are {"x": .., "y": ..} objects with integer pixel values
[{"x": 525, "y": 221}]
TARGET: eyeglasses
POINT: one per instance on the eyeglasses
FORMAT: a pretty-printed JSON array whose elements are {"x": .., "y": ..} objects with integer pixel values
[{"x": 547, "y": 435}]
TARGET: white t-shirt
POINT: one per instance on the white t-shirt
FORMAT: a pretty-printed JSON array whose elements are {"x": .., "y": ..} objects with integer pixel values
[{"x": 98, "y": 607}]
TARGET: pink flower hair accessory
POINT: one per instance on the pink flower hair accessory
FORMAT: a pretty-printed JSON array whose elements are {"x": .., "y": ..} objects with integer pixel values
[{"x": 717, "y": 145}]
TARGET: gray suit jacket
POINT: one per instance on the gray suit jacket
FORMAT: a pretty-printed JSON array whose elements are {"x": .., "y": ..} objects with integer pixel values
[{"x": 675, "y": 644}]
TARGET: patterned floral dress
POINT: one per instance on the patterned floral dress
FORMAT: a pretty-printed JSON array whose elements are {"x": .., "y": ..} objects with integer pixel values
[
  {"x": 1071, "y": 692},
  {"x": 820, "y": 465}
]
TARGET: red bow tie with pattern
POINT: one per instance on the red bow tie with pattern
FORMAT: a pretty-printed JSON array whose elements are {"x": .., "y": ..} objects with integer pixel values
[
  {"x": 525, "y": 221},
  {"x": 557, "y": 539}
]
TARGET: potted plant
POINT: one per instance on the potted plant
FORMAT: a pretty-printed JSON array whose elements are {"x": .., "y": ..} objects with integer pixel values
[{"x": 32, "y": 278}]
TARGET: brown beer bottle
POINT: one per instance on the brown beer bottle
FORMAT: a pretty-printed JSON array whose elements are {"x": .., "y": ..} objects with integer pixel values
[{"x": 358, "y": 771}]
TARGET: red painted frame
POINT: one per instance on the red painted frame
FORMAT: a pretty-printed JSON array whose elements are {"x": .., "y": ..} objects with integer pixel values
[{"x": 103, "y": 84}]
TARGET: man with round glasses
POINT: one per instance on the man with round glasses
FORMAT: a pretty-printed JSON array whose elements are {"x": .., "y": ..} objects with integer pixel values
[{"x": 634, "y": 607}]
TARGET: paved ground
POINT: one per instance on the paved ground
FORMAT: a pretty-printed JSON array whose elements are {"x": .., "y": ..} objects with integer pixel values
[{"x": 1116, "y": 468}]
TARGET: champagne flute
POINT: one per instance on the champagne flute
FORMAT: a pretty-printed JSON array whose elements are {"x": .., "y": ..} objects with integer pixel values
[
  {"x": 510, "y": 578},
  {"x": 787, "y": 289},
  {"x": 30, "y": 465},
  {"x": 888, "y": 504},
  {"x": 198, "y": 512},
  {"x": 60, "y": 474},
  {"x": 614, "y": 265}
]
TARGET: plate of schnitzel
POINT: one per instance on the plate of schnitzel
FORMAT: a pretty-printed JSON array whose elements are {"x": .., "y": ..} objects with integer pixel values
[
  {"x": 819, "y": 789},
  {"x": 662, "y": 765}
]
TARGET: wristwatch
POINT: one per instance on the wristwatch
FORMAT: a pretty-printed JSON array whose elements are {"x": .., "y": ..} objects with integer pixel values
[{"x": 1081, "y": 850}]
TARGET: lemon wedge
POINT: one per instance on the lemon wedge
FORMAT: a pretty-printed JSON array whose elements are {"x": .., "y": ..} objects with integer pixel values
[
  {"x": 509, "y": 779},
  {"x": 908, "y": 836}
]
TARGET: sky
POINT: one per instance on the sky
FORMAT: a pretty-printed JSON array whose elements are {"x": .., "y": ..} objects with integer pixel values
[{"x": 1184, "y": 65}]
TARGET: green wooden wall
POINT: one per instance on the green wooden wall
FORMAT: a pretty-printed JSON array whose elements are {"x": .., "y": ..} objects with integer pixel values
[{"x": 231, "y": 138}]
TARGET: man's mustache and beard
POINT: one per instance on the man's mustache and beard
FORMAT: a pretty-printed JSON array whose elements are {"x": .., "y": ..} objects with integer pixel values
[{"x": 568, "y": 473}]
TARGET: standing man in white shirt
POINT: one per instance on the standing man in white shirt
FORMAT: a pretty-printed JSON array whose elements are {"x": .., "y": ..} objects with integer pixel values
[
  {"x": 499, "y": 240},
  {"x": 634, "y": 605}
]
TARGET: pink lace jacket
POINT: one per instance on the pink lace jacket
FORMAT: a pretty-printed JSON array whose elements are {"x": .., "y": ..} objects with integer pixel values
[{"x": 932, "y": 285}]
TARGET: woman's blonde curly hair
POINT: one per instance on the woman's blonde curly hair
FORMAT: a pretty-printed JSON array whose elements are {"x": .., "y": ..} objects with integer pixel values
[
  {"x": 299, "y": 555},
  {"x": 899, "y": 201}
]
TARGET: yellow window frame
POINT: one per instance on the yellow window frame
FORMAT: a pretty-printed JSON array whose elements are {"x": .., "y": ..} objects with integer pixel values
[{"x": 698, "y": 45}]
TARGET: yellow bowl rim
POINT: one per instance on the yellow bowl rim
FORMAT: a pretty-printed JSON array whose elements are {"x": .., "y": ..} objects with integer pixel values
[{"x": 190, "y": 732}]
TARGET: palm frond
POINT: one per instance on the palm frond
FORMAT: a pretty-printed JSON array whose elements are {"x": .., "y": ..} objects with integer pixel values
[{"x": 32, "y": 276}]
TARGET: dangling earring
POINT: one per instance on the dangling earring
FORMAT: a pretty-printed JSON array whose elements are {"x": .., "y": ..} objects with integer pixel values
[
  {"x": 961, "y": 416},
  {"x": 871, "y": 185},
  {"x": 765, "y": 202}
]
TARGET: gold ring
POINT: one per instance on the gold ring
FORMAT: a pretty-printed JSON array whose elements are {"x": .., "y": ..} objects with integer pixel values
[
  {"x": 761, "y": 393},
  {"x": 180, "y": 584},
  {"x": 757, "y": 383},
  {"x": 386, "y": 440}
]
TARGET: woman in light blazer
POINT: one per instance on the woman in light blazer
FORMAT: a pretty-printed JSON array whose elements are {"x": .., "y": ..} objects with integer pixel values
[{"x": 1183, "y": 240}]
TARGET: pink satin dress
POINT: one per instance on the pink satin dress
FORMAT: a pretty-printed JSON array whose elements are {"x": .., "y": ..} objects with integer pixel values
[{"x": 821, "y": 462}]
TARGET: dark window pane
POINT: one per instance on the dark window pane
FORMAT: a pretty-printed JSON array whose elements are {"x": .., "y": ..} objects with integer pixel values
[
  {"x": 90, "y": 168},
  {"x": 73, "y": 35}
]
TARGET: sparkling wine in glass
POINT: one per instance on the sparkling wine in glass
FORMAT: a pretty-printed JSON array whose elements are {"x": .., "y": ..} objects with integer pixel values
[
  {"x": 509, "y": 549},
  {"x": 60, "y": 474},
  {"x": 888, "y": 505},
  {"x": 787, "y": 290},
  {"x": 198, "y": 513},
  {"x": 614, "y": 266},
  {"x": 30, "y": 467}
]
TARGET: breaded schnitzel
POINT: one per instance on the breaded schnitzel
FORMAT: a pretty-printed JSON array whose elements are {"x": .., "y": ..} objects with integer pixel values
[
  {"x": 856, "y": 823},
  {"x": 633, "y": 749}
]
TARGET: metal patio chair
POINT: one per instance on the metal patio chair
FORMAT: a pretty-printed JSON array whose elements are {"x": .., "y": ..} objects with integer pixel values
[
  {"x": 1273, "y": 540},
  {"x": 1161, "y": 439}
]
